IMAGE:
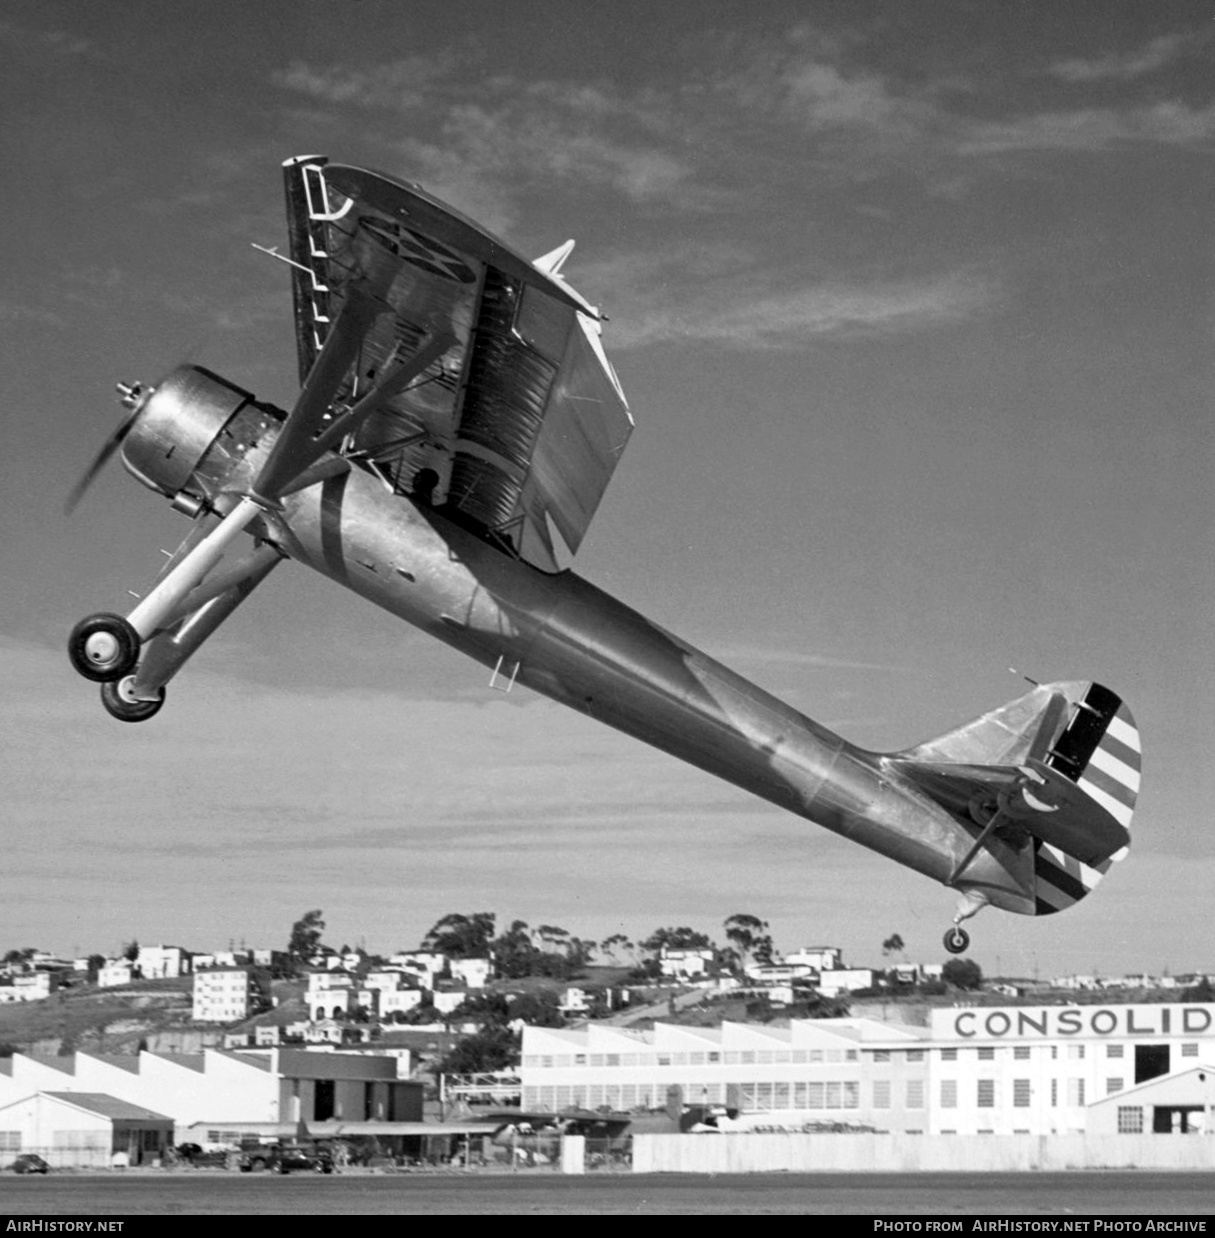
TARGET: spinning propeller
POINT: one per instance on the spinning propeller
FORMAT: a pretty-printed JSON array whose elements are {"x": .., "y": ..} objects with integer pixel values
[{"x": 134, "y": 397}]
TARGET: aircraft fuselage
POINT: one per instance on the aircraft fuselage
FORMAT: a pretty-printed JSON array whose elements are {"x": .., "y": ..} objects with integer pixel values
[{"x": 563, "y": 637}]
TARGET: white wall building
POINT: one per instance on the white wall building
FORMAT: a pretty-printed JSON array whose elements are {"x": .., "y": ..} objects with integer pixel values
[
  {"x": 228, "y": 994},
  {"x": 1034, "y": 1070},
  {"x": 394, "y": 1000},
  {"x": 696, "y": 964},
  {"x": 228, "y": 1092},
  {"x": 82, "y": 1128},
  {"x": 473, "y": 973},
  {"x": 116, "y": 972},
  {"x": 163, "y": 962},
  {"x": 31, "y": 987},
  {"x": 844, "y": 980},
  {"x": 821, "y": 958},
  {"x": 425, "y": 965}
]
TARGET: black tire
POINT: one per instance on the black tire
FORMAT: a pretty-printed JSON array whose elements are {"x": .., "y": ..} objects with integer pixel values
[
  {"x": 120, "y": 704},
  {"x": 957, "y": 940},
  {"x": 89, "y": 656}
]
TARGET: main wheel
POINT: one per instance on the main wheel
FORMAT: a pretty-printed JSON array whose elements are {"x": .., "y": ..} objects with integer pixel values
[
  {"x": 121, "y": 702},
  {"x": 104, "y": 647},
  {"x": 956, "y": 940}
]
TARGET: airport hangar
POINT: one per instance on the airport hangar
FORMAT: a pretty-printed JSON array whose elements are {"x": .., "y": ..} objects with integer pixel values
[{"x": 1038, "y": 1070}]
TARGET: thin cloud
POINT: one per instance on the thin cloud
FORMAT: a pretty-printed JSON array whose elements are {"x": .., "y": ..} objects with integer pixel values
[
  {"x": 13, "y": 312},
  {"x": 398, "y": 84},
  {"x": 1095, "y": 129},
  {"x": 1125, "y": 66},
  {"x": 54, "y": 42},
  {"x": 759, "y": 318}
]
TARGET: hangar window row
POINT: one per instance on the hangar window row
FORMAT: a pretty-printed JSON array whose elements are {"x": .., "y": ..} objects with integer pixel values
[{"x": 743, "y": 1057}]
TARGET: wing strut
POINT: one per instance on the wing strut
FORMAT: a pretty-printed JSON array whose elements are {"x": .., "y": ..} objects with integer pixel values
[{"x": 295, "y": 458}]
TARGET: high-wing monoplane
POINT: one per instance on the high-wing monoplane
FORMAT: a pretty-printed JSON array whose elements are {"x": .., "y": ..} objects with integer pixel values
[{"x": 456, "y": 427}]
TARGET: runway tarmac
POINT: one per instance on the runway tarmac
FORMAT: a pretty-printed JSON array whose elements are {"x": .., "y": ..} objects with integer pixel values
[{"x": 1060, "y": 1197}]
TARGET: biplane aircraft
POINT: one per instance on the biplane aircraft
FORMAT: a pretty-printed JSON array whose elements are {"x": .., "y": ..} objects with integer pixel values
[{"x": 456, "y": 427}]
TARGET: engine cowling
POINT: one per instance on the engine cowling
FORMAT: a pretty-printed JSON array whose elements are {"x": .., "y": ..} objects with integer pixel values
[{"x": 190, "y": 428}]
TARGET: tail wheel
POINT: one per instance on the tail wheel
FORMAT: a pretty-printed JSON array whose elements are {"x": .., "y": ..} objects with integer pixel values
[
  {"x": 121, "y": 702},
  {"x": 104, "y": 647},
  {"x": 957, "y": 940}
]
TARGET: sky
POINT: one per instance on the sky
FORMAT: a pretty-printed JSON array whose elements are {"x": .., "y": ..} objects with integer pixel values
[{"x": 913, "y": 308}]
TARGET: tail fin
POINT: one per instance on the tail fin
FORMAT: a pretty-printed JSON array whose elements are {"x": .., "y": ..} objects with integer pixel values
[{"x": 1062, "y": 762}]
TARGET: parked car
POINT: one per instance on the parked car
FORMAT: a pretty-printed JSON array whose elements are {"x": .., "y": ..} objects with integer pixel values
[
  {"x": 295, "y": 1157},
  {"x": 283, "y": 1158},
  {"x": 28, "y": 1163}
]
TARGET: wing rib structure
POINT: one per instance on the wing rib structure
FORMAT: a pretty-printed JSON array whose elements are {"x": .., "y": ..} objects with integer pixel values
[{"x": 517, "y": 432}]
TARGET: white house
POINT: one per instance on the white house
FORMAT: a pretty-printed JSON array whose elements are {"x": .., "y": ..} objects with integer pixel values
[
  {"x": 475, "y": 973},
  {"x": 394, "y": 1000},
  {"x": 697, "y": 964},
  {"x": 116, "y": 972},
  {"x": 821, "y": 958},
  {"x": 844, "y": 980},
  {"x": 163, "y": 962},
  {"x": 31, "y": 987},
  {"x": 425, "y": 965},
  {"x": 228, "y": 994}
]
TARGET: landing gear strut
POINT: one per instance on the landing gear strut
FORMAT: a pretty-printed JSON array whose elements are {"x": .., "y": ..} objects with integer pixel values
[
  {"x": 957, "y": 939},
  {"x": 104, "y": 647}
]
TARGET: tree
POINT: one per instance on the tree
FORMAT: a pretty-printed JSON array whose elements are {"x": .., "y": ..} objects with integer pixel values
[
  {"x": 963, "y": 974},
  {"x": 513, "y": 951},
  {"x": 493, "y": 1048},
  {"x": 617, "y": 942},
  {"x": 461, "y": 937},
  {"x": 305, "y": 936},
  {"x": 130, "y": 951},
  {"x": 749, "y": 936},
  {"x": 1202, "y": 991},
  {"x": 682, "y": 938},
  {"x": 893, "y": 945}
]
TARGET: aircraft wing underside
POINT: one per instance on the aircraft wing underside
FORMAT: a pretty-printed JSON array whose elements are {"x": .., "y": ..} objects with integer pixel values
[{"x": 521, "y": 422}]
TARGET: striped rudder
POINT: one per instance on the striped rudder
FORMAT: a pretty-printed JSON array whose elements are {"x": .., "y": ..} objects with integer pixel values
[{"x": 1099, "y": 751}]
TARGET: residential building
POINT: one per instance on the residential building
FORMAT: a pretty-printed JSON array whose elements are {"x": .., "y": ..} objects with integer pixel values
[
  {"x": 162, "y": 962},
  {"x": 844, "y": 980},
  {"x": 117, "y": 972},
  {"x": 689, "y": 964},
  {"x": 30, "y": 987},
  {"x": 777, "y": 973},
  {"x": 425, "y": 965},
  {"x": 394, "y": 1001},
  {"x": 229, "y": 994},
  {"x": 473, "y": 973},
  {"x": 821, "y": 958}
]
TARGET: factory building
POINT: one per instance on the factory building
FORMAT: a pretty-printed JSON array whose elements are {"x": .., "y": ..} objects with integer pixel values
[{"x": 1035, "y": 1070}]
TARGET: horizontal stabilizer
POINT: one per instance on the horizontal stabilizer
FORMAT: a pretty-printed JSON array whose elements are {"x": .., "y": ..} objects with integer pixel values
[{"x": 1060, "y": 764}]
